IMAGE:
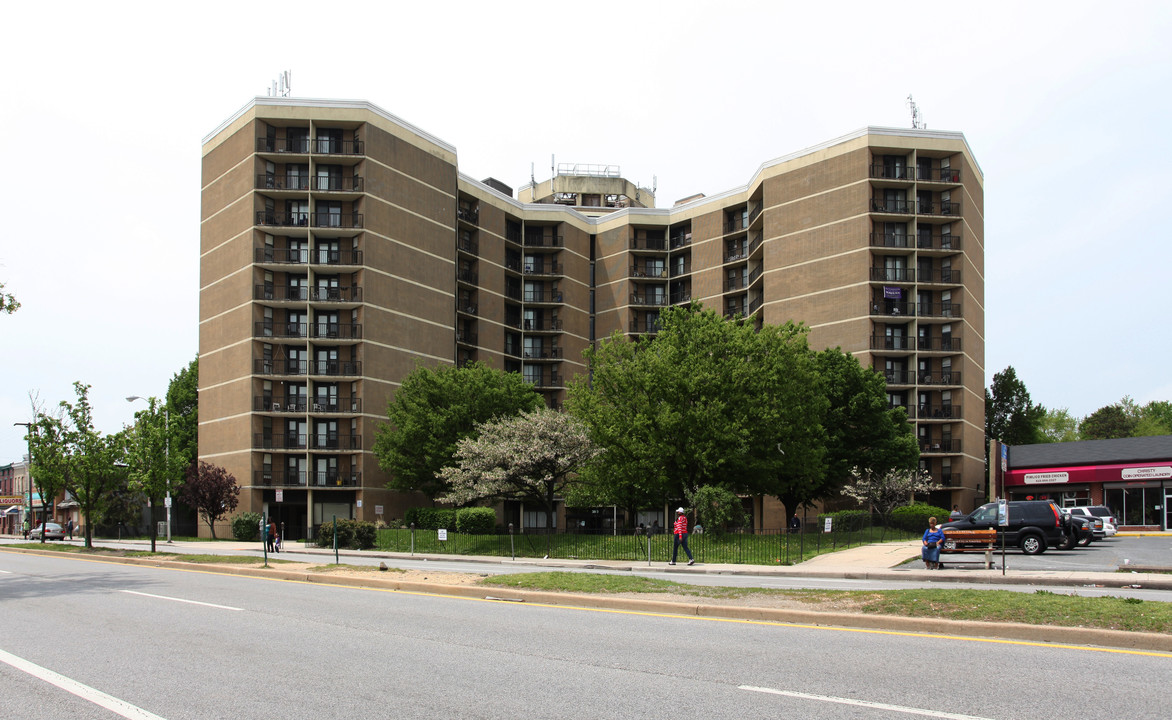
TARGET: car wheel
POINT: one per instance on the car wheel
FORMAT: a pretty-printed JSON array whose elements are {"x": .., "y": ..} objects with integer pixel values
[
  {"x": 1068, "y": 543},
  {"x": 1086, "y": 541},
  {"x": 1033, "y": 545}
]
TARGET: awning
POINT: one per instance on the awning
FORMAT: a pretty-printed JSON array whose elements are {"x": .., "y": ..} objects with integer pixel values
[
  {"x": 67, "y": 504},
  {"x": 13, "y": 509}
]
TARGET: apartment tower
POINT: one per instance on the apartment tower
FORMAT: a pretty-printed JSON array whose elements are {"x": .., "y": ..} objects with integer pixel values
[{"x": 341, "y": 247}]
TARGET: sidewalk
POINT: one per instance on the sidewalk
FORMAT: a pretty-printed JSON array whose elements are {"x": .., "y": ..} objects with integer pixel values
[{"x": 878, "y": 561}]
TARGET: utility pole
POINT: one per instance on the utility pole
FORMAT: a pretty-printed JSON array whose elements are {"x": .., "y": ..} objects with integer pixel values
[{"x": 28, "y": 437}]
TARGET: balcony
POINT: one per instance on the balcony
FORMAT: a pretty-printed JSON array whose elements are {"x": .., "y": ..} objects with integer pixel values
[
  {"x": 327, "y": 441},
  {"x": 279, "y": 441},
  {"x": 278, "y": 478},
  {"x": 542, "y": 353},
  {"x": 468, "y": 245},
  {"x": 538, "y": 325},
  {"x": 336, "y": 331},
  {"x": 682, "y": 296},
  {"x": 948, "y": 310},
  {"x": 542, "y": 296},
  {"x": 290, "y": 404},
  {"x": 946, "y": 378},
  {"x": 638, "y": 243},
  {"x": 648, "y": 272},
  {"x": 352, "y": 184},
  {"x": 271, "y": 218},
  {"x": 549, "y": 241},
  {"x": 282, "y": 182},
  {"x": 927, "y": 241},
  {"x": 470, "y": 277},
  {"x": 541, "y": 268},
  {"x": 886, "y": 274},
  {"x": 337, "y": 220},
  {"x": 335, "y": 294},
  {"x": 268, "y": 329},
  {"x": 653, "y": 299},
  {"x": 735, "y": 254},
  {"x": 334, "y": 478},
  {"x": 893, "y": 308},
  {"x": 280, "y": 367},
  {"x": 545, "y": 379},
  {"x": 335, "y": 368},
  {"x": 466, "y": 309},
  {"x": 941, "y": 277},
  {"x": 738, "y": 282},
  {"x": 644, "y": 326},
  {"x": 680, "y": 240},
  {"x": 280, "y": 293},
  {"x": 943, "y": 175},
  {"x": 736, "y": 224},
  {"x": 938, "y": 412},
  {"x": 466, "y": 338},
  {"x": 330, "y": 146},
  {"x": 898, "y": 377},
  {"x": 928, "y": 447},
  {"x": 948, "y": 207},
  {"x": 892, "y": 240},
  {"x": 888, "y": 205},
  {"x": 951, "y": 479},
  {"x": 891, "y": 172},
  {"x": 469, "y": 215},
  {"x": 325, "y": 405},
  {"x": 892, "y": 342},
  {"x": 941, "y": 344},
  {"x": 680, "y": 269}
]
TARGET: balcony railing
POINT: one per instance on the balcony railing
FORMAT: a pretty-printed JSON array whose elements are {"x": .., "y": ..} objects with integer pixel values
[
  {"x": 735, "y": 254},
  {"x": 928, "y": 207},
  {"x": 279, "y": 441},
  {"x": 889, "y": 307},
  {"x": 301, "y": 405},
  {"x": 321, "y": 146},
  {"x": 550, "y": 241},
  {"x": 892, "y": 172},
  {"x": 887, "y": 205},
  {"x": 680, "y": 240},
  {"x": 736, "y": 224},
  {"x": 336, "y": 479},
  {"x": 280, "y": 367},
  {"x": 541, "y": 268},
  {"x": 648, "y": 299},
  {"x": 466, "y": 338},
  {"x": 947, "y": 378},
  {"x": 328, "y": 478},
  {"x": 897, "y": 240},
  {"x": 338, "y": 184},
  {"x": 940, "y": 446},
  {"x": 755, "y": 212},
  {"x": 648, "y": 272},
  {"x": 282, "y": 182},
  {"x": 679, "y": 270},
  {"x": 335, "y": 368},
  {"x": 470, "y": 277},
  {"x": 892, "y": 342},
  {"x": 943, "y": 344},
  {"x": 938, "y": 242},
  {"x": 948, "y": 309},
  {"x": 543, "y": 353},
  {"x": 542, "y": 325},
  {"x": 468, "y": 245},
  {"x": 644, "y": 326},
  {"x": 681, "y": 296},
  {"x": 938, "y": 412},
  {"x": 643, "y": 243},
  {"x": 327, "y": 441},
  {"x": 466, "y": 308},
  {"x": 947, "y": 175},
  {"x": 468, "y": 215},
  {"x": 542, "y": 296},
  {"x": 339, "y": 331},
  {"x": 899, "y": 377},
  {"x": 738, "y": 282},
  {"x": 943, "y": 276},
  {"x": 545, "y": 379},
  {"x": 273, "y": 218},
  {"x": 266, "y": 328},
  {"x": 337, "y": 220},
  {"x": 951, "y": 479},
  {"x": 886, "y": 274}
]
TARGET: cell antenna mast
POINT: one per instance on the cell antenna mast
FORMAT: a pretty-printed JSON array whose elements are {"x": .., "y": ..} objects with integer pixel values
[
  {"x": 917, "y": 119},
  {"x": 282, "y": 86}
]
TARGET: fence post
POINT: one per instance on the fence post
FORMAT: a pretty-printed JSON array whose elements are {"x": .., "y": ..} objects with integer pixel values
[
  {"x": 336, "y": 540},
  {"x": 512, "y": 546},
  {"x": 412, "y": 538},
  {"x": 648, "y": 548}
]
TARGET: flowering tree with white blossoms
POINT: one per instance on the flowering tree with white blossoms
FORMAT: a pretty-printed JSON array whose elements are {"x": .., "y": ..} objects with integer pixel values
[
  {"x": 531, "y": 457},
  {"x": 886, "y": 491}
]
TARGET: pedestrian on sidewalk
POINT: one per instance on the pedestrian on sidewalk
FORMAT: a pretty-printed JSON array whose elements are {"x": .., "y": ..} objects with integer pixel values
[
  {"x": 933, "y": 539},
  {"x": 272, "y": 536},
  {"x": 680, "y": 532}
]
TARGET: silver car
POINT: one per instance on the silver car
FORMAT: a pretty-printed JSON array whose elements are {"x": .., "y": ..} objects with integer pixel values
[
  {"x": 1100, "y": 511},
  {"x": 52, "y": 531}
]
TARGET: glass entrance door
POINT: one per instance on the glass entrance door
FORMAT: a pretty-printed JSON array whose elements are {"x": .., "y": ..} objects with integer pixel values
[{"x": 1167, "y": 508}]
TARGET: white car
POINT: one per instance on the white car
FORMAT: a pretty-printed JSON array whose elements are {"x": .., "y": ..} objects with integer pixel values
[{"x": 1099, "y": 511}]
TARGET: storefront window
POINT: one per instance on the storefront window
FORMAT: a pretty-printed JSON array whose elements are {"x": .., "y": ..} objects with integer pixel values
[{"x": 1137, "y": 505}]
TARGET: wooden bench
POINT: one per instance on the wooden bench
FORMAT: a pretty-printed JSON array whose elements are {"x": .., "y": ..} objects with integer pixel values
[{"x": 961, "y": 541}]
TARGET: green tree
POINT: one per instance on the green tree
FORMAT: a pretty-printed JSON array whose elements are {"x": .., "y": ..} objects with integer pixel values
[
  {"x": 433, "y": 409},
  {"x": 183, "y": 404},
  {"x": 717, "y": 508},
  {"x": 1108, "y": 422},
  {"x": 212, "y": 491},
  {"x": 8, "y": 302},
  {"x": 704, "y": 402},
  {"x": 71, "y": 455},
  {"x": 862, "y": 429},
  {"x": 1155, "y": 418},
  {"x": 1010, "y": 416},
  {"x": 153, "y": 468},
  {"x": 531, "y": 457},
  {"x": 1058, "y": 426}
]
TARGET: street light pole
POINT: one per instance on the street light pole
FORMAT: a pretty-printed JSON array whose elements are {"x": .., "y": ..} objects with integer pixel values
[{"x": 167, "y": 433}]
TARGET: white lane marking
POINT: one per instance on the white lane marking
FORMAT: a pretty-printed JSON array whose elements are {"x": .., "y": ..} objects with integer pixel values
[
  {"x": 863, "y": 703},
  {"x": 192, "y": 602},
  {"x": 6, "y": 572},
  {"x": 85, "y": 692}
]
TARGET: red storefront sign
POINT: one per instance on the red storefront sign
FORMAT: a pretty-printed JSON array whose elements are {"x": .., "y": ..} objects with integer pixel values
[{"x": 1082, "y": 474}]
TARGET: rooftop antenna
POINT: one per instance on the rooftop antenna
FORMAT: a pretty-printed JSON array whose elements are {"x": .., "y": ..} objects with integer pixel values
[
  {"x": 282, "y": 86},
  {"x": 532, "y": 177},
  {"x": 917, "y": 119}
]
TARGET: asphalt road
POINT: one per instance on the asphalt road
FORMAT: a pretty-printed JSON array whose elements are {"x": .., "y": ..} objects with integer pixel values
[{"x": 175, "y": 644}]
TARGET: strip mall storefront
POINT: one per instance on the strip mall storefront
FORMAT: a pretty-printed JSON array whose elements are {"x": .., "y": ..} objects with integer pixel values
[{"x": 1139, "y": 494}]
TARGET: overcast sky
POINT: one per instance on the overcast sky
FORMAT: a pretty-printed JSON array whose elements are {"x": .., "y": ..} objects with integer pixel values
[{"x": 1065, "y": 106}]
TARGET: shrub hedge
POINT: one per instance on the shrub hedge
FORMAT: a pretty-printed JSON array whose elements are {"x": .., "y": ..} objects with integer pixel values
[
  {"x": 915, "y": 517},
  {"x": 353, "y": 534},
  {"x": 431, "y": 518},
  {"x": 246, "y": 526},
  {"x": 475, "y": 520}
]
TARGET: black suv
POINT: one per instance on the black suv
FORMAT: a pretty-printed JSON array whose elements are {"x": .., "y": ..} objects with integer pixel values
[{"x": 1034, "y": 525}]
